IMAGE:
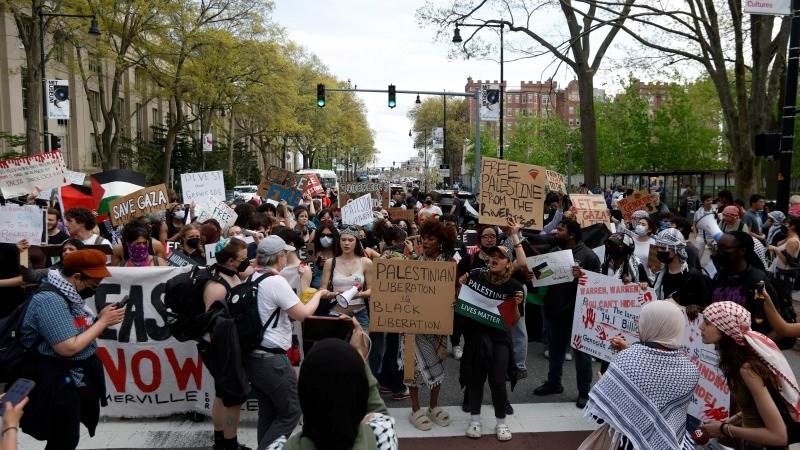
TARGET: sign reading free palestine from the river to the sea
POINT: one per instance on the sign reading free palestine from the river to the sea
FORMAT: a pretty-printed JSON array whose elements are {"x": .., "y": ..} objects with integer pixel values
[{"x": 412, "y": 296}]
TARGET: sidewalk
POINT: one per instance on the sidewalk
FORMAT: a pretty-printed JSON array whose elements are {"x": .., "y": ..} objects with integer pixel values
[{"x": 173, "y": 433}]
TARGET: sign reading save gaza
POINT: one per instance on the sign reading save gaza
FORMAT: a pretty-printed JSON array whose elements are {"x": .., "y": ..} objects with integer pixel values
[{"x": 137, "y": 204}]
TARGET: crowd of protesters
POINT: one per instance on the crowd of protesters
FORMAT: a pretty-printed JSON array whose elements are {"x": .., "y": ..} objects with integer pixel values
[{"x": 741, "y": 281}]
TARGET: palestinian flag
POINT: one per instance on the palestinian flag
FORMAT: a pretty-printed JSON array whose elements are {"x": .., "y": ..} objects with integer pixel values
[
  {"x": 109, "y": 185},
  {"x": 482, "y": 303}
]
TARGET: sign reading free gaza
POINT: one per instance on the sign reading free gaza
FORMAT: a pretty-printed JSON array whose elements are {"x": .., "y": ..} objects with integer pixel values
[
  {"x": 139, "y": 203},
  {"x": 412, "y": 296}
]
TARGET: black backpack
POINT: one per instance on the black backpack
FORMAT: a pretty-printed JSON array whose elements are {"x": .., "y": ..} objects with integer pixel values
[
  {"x": 183, "y": 299},
  {"x": 242, "y": 303},
  {"x": 13, "y": 354}
]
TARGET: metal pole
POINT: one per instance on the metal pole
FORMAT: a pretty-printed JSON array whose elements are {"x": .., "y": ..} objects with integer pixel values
[
  {"x": 502, "y": 88},
  {"x": 787, "y": 137},
  {"x": 425, "y": 147},
  {"x": 45, "y": 129},
  {"x": 444, "y": 135},
  {"x": 477, "y": 169}
]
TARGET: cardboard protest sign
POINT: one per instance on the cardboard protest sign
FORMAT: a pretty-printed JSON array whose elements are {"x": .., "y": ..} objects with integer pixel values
[
  {"x": 21, "y": 222},
  {"x": 401, "y": 213},
  {"x": 479, "y": 301},
  {"x": 511, "y": 191},
  {"x": 379, "y": 192},
  {"x": 591, "y": 209},
  {"x": 605, "y": 307},
  {"x": 358, "y": 212},
  {"x": 638, "y": 200},
  {"x": 219, "y": 211},
  {"x": 199, "y": 186},
  {"x": 711, "y": 399},
  {"x": 21, "y": 176},
  {"x": 412, "y": 296},
  {"x": 137, "y": 204},
  {"x": 275, "y": 193},
  {"x": 556, "y": 182},
  {"x": 553, "y": 268},
  {"x": 282, "y": 177},
  {"x": 211, "y": 254},
  {"x": 314, "y": 187}
]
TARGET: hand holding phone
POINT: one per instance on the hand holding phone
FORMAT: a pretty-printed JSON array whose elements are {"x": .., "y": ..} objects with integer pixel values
[
  {"x": 18, "y": 391},
  {"x": 122, "y": 303}
]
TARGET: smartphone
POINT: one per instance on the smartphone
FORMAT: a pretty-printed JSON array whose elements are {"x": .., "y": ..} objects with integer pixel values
[
  {"x": 122, "y": 303},
  {"x": 18, "y": 391},
  {"x": 316, "y": 328}
]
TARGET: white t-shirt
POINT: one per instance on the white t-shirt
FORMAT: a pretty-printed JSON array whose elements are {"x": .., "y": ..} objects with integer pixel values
[
  {"x": 93, "y": 240},
  {"x": 432, "y": 210},
  {"x": 291, "y": 275},
  {"x": 275, "y": 296}
]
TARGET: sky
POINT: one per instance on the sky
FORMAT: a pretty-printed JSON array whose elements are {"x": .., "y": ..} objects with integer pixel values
[{"x": 375, "y": 43}]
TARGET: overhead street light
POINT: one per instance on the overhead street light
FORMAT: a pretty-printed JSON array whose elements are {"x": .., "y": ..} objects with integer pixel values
[
  {"x": 418, "y": 101},
  {"x": 457, "y": 36}
]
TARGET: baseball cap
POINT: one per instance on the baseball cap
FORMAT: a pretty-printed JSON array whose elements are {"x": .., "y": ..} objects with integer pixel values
[
  {"x": 272, "y": 245},
  {"x": 505, "y": 251},
  {"x": 89, "y": 262}
]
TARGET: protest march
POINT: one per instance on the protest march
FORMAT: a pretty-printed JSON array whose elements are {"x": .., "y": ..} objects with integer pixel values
[{"x": 160, "y": 303}]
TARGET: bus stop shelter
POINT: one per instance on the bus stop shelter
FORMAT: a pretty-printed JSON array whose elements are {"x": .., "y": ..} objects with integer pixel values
[{"x": 674, "y": 182}]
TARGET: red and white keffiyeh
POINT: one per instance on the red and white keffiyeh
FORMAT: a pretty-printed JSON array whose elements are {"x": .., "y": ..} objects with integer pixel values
[{"x": 734, "y": 320}]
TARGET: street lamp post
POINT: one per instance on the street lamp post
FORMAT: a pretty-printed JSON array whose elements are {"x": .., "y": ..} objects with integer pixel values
[
  {"x": 457, "y": 39},
  {"x": 93, "y": 30}
]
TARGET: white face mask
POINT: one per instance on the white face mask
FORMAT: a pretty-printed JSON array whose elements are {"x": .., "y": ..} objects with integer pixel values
[
  {"x": 180, "y": 214},
  {"x": 326, "y": 241},
  {"x": 640, "y": 230}
]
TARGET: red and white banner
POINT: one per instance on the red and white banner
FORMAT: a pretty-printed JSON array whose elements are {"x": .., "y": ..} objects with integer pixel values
[
  {"x": 314, "y": 187},
  {"x": 21, "y": 176}
]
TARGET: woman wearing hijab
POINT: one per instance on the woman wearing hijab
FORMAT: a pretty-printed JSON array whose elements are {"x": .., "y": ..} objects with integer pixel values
[
  {"x": 676, "y": 280},
  {"x": 761, "y": 381},
  {"x": 342, "y": 409},
  {"x": 621, "y": 262},
  {"x": 643, "y": 398},
  {"x": 643, "y": 228}
]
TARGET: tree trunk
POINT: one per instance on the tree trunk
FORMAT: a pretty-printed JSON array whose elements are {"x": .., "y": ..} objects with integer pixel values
[
  {"x": 231, "y": 140},
  {"x": 591, "y": 170},
  {"x": 33, "y": 102},
  {"x": 172, "y": 135}
]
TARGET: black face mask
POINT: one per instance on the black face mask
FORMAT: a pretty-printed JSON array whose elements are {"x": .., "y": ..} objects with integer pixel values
[
  {"x": 664, "y": 257},
  {"x": 87, "y": 292},
  {"x": 193, "y": 243},
  {"x": 243, "y": 265},
  {"x": 616, "y": 251}
]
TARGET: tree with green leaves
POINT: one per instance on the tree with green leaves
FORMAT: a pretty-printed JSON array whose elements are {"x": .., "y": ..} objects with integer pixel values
[
  {"x": 545, "y": 141},
  {"x": 429, "y": 115}
]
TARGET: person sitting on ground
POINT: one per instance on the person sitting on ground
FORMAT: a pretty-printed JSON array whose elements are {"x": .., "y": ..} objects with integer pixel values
[
  {"x": 649, "y": 384},
  {"x": 341, "y": 406}
]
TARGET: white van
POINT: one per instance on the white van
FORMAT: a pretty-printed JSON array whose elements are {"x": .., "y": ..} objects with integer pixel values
[
  {"x": 326, "y": 177},
  {"x": 245, "y": 192}
]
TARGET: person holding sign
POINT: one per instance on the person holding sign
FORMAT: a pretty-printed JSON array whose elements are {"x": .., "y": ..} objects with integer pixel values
[
  {"x": 431, "y": 349},
  {"x": 761, "y": 381},
  {"x": 348, "y": 270},
  {"x": 648, "y": 386},
  {"x": 488, "y": 348}
]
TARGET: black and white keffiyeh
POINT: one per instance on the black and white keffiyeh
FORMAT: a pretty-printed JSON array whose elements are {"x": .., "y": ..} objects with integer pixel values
[
  {"x": 76, "y": 303},
  {"x": 644, "y": 396}
]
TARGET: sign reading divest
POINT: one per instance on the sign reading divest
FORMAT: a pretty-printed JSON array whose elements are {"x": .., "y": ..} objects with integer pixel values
[
  {"x": 378, "y": 191},
  {"x": 138, "y": 204},
  {"x": 20, "y": 176},
  {"x": 606, "y": 307},
  {"x": 591, "y": 209},
  {"x": 637, "y": 201},
  {"x": 200, "y": 186},
  {"x": 412, "y": 296},
  {"x": 511, "y": 191}
]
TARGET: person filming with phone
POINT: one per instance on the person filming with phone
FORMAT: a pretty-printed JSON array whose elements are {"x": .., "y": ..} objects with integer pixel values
[{"x": 70, "y": 384}]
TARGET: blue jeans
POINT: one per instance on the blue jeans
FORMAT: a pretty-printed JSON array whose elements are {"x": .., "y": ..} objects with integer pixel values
[
  {"x": 376, "y": 352},
  {"x": 519, "y": 341},
  {"x": 560, "y": 333}
]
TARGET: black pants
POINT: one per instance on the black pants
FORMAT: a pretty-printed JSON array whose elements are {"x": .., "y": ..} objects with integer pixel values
[
  {"x": 497, "y": 382},
  {"x": 391, "y": 375},
  {"x": 455, "y": 338},
  {"x": 67, "y": 431}
]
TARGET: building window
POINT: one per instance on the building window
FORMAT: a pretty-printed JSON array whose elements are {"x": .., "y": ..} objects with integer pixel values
[
  {"x": 62, "y": 122},
  {"x": 530, "y": 97},
  {"x": 572, "y": 110},
  {"x": 95, "y": 155},
  {"x": 545, "y": 99},
  {"x": 93, "y": 63},
  {"x": 24, "y": 73},
  {"x": 122, "y": 116},
  {"x": 573, "y": 96},
  {"x": 93, "y": 97},
  {"x": 139, "y": 120},
  {"x": 156, "y": 117}
]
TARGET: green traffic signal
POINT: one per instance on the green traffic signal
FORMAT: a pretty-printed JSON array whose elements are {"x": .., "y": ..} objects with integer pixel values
[
  {"x": 392, "y": 96},
  {"x": 320, "y": 95}
]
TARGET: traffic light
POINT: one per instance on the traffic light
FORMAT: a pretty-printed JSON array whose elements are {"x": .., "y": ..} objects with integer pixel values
[
  {"x": 392, "y": 96},
  {"x": 55, "y": 142},
  {"x": 320, "y": 95}
]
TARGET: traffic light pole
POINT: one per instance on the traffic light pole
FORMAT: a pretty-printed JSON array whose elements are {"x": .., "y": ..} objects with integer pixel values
[
  {"x": 475, "y": 95},
  {"x": 789, "y": 112}
]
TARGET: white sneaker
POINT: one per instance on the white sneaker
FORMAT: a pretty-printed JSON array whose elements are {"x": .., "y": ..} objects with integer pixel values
[
  {"x": 457, "y": 352},
  {"x": 568, "y": 357},
  {"x": 474, "y": 430},
  {"x": 503, "y": 432}
]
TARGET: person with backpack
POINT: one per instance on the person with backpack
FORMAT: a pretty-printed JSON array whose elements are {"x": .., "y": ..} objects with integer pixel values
[
  {"x": 231, "y": 261},
  {"x": 761, "y": 381},
  {"x": 268, "y": 367},
  {"x": 70, "y": 383}
]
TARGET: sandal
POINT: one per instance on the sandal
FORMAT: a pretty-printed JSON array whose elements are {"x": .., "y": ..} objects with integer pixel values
[
  {"x": 439, "y": 416},
  {"x": 420, "y": 420}
]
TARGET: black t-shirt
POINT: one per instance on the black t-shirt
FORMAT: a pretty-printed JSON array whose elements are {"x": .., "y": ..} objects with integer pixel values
[
  {"x": 740, "y": 289},
  {"x": 58, "y": 238},
  {"x": 10, "y": 297}
]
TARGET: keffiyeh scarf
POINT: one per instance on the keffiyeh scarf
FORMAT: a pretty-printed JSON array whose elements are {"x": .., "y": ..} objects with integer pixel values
[
  {"x": 734, "y": 321},
  {"x": 76, "y": 304},
  {"x": 777, "y": 219},
  {"x": 638, "y": 406}
]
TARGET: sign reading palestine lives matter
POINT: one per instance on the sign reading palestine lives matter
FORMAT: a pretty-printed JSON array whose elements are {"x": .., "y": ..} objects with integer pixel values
[
  {"x": 412, "y": 296},
  {"x": 512, "y": 191}
]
